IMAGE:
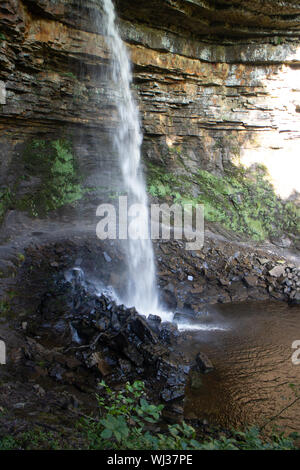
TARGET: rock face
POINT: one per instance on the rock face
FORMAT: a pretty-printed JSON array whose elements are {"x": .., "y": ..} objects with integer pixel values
[
  {"x": 108, "y": 339},
  {"x": 216, "y": 81},
  {"x": 232, "y": 19}
]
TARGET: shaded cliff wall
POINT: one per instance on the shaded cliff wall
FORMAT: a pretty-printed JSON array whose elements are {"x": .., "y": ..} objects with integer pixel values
[{"x": 217, "y": 84}]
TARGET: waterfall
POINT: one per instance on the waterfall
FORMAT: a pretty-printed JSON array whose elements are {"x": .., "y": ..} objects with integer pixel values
[{"x": 141, "y": 289}]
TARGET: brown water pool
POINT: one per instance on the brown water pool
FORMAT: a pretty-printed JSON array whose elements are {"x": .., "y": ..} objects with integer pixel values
[{"x": 250, "y": 345}]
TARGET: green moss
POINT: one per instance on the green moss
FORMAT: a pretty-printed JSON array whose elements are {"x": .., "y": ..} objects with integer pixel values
[
  {"x": 54, "y": 164},
  {"x": 21, "y": 258},
  {"x": 242, "y": 201},
  {"x": 5, "y": 308},
  {"x": 69, "y": 75},
  {"x": 5, "y": 200},
  {"x": 31, "y": 440}
]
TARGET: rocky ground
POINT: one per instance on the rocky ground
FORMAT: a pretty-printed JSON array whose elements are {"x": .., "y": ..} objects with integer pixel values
[
  {"x": 69, "y": 338},
  {"x": 223, "y": 272},
  {"x": 63, "y": 337}
]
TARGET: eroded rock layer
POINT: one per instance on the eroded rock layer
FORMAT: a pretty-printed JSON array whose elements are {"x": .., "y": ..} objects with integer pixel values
[{"x": 217, "y": 84}]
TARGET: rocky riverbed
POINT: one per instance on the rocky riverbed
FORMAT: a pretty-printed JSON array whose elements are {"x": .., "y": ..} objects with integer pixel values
[{"x": 65, "y": 333}]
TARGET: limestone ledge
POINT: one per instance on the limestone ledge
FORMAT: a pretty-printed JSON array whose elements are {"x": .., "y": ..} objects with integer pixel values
[{"x": 204, "y": 101}]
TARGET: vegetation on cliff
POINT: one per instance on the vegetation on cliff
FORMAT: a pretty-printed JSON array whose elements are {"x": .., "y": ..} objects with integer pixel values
[
  {"x": 49, "y": 176},
  {"x": 243, "y": 201}
]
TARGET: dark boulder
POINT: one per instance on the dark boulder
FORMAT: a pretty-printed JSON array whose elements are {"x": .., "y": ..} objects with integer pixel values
[{"x": 203, "y": 363}]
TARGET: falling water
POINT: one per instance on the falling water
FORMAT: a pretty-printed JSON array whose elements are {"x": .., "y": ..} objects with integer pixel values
[{"x": 141, "y": 287}]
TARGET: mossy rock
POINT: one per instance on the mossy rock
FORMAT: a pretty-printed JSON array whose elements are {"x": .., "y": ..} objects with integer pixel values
[
  {"x": 243, "y": 201},
  {"x": 5, "y": 201},
  {"x": 54, "y": 164}
]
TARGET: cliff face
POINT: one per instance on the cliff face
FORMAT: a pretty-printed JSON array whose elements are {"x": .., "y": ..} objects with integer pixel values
[{"x": 217, "y": 84}]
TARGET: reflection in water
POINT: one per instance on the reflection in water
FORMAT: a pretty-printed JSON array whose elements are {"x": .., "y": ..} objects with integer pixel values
[{"x": 251, "y": 351}]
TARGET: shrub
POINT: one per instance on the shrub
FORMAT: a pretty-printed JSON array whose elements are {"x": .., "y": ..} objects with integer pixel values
[
  {"x": 124, "y": 420},
  {"x": 54, "y": 164}
]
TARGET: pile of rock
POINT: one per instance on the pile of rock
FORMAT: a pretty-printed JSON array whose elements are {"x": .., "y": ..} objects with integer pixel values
[
  {"x": 287, "y": 281},
  {"x": 218, "y": 273},
  {"x": 93, "y": 333}
]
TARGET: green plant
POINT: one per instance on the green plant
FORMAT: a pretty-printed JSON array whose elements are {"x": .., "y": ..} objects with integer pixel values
[
  {"x": 5, "y": 200},
  {"x": 69, "y": 75},
  {"x": 123, "y": 415},
  {"x": 251, "y": 439},
  {"x": 4, "y": 307},
  {"x": 8, "y": 443},
  {"x": 241, "y": 200},
  {"x": 278, "y": 40},
  {"x": 126, "y": 421},
  {"x": 54, "y": 163},
  {"x": 30, "y": 440},
  {"x": 21, "y": 257}
]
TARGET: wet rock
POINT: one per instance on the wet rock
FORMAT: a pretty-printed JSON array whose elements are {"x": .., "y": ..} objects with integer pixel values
[
  {"x": 154, "y": 321},
  {"x": 184, "y": 317},
  {"x": 223, "y": 297},
  {"x": 224, "y": 282},
  {"x": 91, "y": 360},
  {"x": 203, "y": 363},
  {"x": 39, "y": 390},
  {"x": 283, "y": 242},
  {"x": 174, "y": 377},
  {"x": 116, "y": 325},
  {"x": 152, "y": 353},
  {"x": 102, "y": 324},
  {"x": 263, "y": 261},
  {"x": 168, "y": 332},
  {"x": 141, "y": 328},
  {"x": 165, "y": 367},
  {"x": 250, "y": 281},
  {"x": 61, "y": 327},
  {"x": 74, "y": 335},
  {"x": 19, "y": 406},
  {"x": 277, "y": 271},
  {"x": 125, "y": 366},
  {"x": 296, "y": 298},
  {"x": 173, "y": 412},
  {"x": 107, "y": 257},
  {"x": 69, "y": 361},
  {"x": 57, "y": 372},
  {"x": 97, "y": 359},
  {"x": 170, "y": 288},
  {"x": 132, "y": 353},
  {"x": 169, "y": 394},
  {"x": 197, "y": 290},
  {"x": 196, "y": 380},
  {"x": 238, "y": 292}
]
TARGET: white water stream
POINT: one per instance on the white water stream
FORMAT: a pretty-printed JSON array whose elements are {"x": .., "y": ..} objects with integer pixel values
[{"x": 141, "y": 286}]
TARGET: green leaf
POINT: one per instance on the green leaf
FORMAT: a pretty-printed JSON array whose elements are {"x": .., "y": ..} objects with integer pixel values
[{"x": 106, "y": 434}]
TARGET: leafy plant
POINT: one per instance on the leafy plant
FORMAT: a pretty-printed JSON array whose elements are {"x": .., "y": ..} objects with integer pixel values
[
  {"x": 8, "y": 443},
  {"x": 5, "y": 200},
  {"x": 241, "y": 200},
  {"x": 54, "y": 164},
  {"x": 69, "y": 75},
  {"x": 126, "y": 421},
  {"x": 30, "y": 440}
]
